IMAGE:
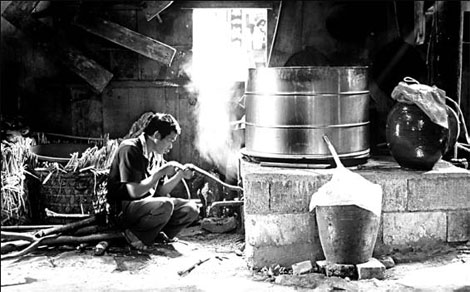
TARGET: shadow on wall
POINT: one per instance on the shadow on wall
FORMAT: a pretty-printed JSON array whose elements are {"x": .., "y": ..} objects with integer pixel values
[
  {"x": 393, "y": 62},
  {"x": 349, "y": 21}
]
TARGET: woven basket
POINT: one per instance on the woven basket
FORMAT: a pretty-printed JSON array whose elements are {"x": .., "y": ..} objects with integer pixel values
[{"x": 73, "y": 193}]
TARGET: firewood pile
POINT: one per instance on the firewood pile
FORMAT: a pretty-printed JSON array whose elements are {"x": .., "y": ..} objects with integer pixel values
[
  {"x": 80, "y": 183},
  {"x": 21, "y": 240}
]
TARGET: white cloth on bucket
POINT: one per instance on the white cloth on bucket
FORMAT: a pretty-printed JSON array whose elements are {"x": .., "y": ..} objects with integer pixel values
[{"x": 348, "y": 188}]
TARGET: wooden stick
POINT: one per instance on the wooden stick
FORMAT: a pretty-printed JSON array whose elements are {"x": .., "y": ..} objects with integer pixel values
[
  {"x": 31, "y": 247},
  {"x": 67, "y": 227},
  {"x": 53, "y": 214},
  {"x": 67, "y": 239},
  {"x": 92, "y": 229},
  {"x": 27, "y": 227},
  {"x": 188, "y": 270},
  {"x": 50, "y": 240},
  {"x": 17, "y": 236},
  {"x": 15, "y": 245}
]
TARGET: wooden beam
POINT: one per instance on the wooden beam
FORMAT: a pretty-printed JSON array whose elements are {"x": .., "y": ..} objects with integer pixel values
[
  {"x": 127, "y": 38},
  {"x": 18, "y": 13},
  {"x": 154, "y": 8},
  {"x": 419, "y": 34},
  {"x": 448, "y": 48},
  {"x": 225, "y": 4},
  {"x": 19, "y": 9}
]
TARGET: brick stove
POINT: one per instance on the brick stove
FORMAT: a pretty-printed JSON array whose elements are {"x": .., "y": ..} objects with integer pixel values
[{"x": 418, "y": 208}]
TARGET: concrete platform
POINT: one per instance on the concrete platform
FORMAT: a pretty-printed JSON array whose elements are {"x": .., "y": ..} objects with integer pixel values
[{"x": 418, "y": 208}]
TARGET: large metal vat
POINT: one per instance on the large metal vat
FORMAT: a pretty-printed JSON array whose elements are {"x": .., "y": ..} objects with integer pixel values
[{"x": 289, "y": 109}]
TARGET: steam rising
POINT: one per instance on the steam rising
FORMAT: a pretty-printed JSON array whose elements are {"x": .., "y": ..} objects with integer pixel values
[
  {"x": 212, "y": 73},
  {"x": 213, "y": 85}
]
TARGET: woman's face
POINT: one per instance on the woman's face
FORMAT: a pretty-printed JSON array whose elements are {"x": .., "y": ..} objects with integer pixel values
[{"x": 163, "y": 146}]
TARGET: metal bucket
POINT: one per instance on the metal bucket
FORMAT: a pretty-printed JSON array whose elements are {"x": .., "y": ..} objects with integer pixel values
[
  {"x": 347, "y": 233},
  {"x": 289, "y": 109}
]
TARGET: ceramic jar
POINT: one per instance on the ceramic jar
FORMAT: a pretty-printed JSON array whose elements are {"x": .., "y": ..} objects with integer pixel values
[{"x": 413, "y": 139}]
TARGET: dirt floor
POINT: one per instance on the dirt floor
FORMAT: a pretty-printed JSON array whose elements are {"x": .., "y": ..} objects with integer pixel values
[{"x": 222, "y": 268}]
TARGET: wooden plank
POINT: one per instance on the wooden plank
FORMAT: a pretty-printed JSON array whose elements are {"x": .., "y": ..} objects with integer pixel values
[
  {"x": 188, "y": 153},
  {"x": 87, "y": 112},
  {"x": 116, "y": 117},
  {"x": 129, "y": 39},
  {"x": 139, "y": 101},
  {"x": 135, "y": 109},
  {"x": 289, "y": 33},
  {"x": 153, "y": 8},
  {"x": 19, "y": 9},
  {"x": 124, "y": 64},
  {"x": 49, "y": 106},
  {"x": 89, "y": 70},
  {"x": 18, "y": 13},
  {"x": 171, "y": 107}
]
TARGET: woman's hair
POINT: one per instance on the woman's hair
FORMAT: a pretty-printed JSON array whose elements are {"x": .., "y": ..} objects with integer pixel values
[{"x": 163, "y": 124}]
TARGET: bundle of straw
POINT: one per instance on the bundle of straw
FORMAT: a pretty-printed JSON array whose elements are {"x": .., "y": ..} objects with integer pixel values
[
  {"x": 95, "y": 158},
  {"x": 15, "y": 156}
]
